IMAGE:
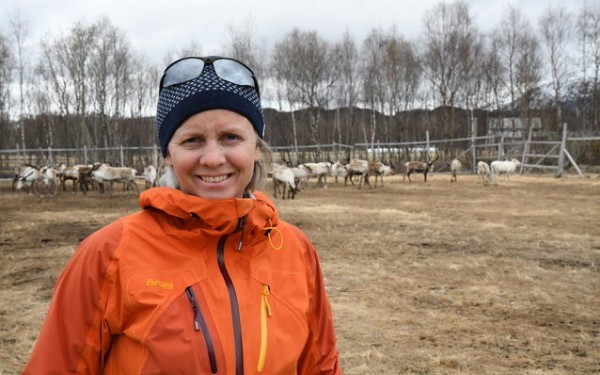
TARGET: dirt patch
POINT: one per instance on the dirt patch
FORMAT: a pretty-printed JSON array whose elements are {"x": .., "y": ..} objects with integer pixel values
[{"x": 443, "y": 278}]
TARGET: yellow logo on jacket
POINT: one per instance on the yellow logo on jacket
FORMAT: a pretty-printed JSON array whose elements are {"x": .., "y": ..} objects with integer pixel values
[{"x": 159, "y": 283}]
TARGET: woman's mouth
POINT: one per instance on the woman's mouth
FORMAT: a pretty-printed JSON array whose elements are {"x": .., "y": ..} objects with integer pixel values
[{"x": 214, "y": 179}]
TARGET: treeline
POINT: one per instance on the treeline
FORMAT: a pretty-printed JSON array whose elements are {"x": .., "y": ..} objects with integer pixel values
[{"x": 91, "y": 87}]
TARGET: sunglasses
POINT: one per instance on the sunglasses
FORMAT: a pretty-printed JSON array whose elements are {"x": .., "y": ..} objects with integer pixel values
[{"x": 188, "y": 68}]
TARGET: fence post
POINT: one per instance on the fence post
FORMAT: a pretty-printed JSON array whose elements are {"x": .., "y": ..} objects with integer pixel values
[
  {"x": 155, "y": 156},
  {"x": 561, "y": 154},
  {"x": 473, "y": 137},
  {"x": 85, "y": 156},
  {"x": 524, "y": 158}
]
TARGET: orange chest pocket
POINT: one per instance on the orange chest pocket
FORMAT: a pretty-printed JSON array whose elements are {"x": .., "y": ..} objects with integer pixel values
[
  {"x": 281, "y": 329},
  {"x": 148, "y": 294}
]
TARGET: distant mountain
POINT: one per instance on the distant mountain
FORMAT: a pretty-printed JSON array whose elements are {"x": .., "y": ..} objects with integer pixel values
[{"x": 543, "y": 97}]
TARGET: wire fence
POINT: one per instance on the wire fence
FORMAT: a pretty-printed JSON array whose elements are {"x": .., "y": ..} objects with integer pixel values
[{"x": 469, "y": 150}]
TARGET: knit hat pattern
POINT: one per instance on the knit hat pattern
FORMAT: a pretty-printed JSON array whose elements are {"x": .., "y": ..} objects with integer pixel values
[{"x": 179, "y": 102}]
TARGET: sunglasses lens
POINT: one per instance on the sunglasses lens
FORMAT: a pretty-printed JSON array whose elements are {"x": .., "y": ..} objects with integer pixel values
[
  {"x": 190, "y": 68},
  {"x": 234, "y": 72},
  {"x": 182, "y": 71}
]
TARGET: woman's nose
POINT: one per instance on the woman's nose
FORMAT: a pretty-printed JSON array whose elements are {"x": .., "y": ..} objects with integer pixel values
[{"x": 212, "y": 155}]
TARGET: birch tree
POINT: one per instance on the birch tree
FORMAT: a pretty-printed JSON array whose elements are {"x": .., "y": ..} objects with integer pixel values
[
  {"x": 449, "y": 35},
  {"x": 345, "y": 57},
  {"x": 288, "y": 95},
  {"x": 555, "y": 27},
  {"x": 19, "y": 34},
  {"x": 510, "y": 38},
  {"x": 76, "y": 57},
  {"x": 588, "y": 30},
  {"x": 528, "y": 74},
  {"x": 391, "y": 78},
  {"x": 110, "y": 71},
  {"x": 374, "y": 81},
  {"x": 7, "y": 141},
  {"x": 303, "y": 59},
  {"x": 54, "y": 74},
  {"x": 494, "y": 72},
  {"x": 244, "y": 47}
]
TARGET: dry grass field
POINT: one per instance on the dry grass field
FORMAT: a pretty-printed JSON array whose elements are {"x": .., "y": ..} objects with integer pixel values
[{"x": 443, "y": 278}]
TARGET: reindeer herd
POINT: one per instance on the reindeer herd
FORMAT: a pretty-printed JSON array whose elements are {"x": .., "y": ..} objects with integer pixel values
[
  {"x": 81, "y": 177},
  {"x": 287, "y": 181}
]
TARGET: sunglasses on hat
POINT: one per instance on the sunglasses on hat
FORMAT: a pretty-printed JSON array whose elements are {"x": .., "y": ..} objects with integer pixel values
[{"x": 228, "y": 69}]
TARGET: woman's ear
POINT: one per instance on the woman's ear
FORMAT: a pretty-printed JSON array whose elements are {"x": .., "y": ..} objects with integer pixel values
[
  {"x": 257, "y": 154},
  {"x": 168, "y": 160},
  {"x": 257, "y": 151}
]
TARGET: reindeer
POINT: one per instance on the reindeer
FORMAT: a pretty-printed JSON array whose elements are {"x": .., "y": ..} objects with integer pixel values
[
  {"x": 419, "y": 167},
  {"x": 455, "y": 166},
  {"x": 378, "y": 169},
  {"x": 357, "y": 167}
]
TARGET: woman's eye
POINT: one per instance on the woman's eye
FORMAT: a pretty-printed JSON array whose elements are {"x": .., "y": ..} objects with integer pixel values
[
  {"x": 231, "y": 137},
  {"x": 191, "y": 140}
]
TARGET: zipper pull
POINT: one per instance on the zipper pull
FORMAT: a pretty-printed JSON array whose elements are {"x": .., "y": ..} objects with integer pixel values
[
  {"x": 241, "y": 226},
  {"x": 241, "y": 242},
  {"x": 192, "y": 298},
  {"x": 266, "y": 292}
]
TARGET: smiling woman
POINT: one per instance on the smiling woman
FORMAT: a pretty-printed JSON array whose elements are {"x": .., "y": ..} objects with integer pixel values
[
  {"x": 207, "y": 278},
  {"x": 213, "y": 154}
]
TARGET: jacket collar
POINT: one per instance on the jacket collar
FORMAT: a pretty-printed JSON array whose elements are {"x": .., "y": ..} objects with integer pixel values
[{"x": 216, "y": 216}]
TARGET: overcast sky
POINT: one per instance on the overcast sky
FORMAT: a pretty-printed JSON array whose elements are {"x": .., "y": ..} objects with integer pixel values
[{"x": 159, "y": 27}]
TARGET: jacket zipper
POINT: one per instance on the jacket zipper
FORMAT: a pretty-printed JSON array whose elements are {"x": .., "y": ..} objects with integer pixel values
[
  {"x": 200, "y": 324},
  {"x": 235, "y": 311},
  {"x": 264, "y": 313}
]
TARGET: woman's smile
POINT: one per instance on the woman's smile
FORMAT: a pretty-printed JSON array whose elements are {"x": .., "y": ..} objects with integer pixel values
[{"x": 214, "y": 179}]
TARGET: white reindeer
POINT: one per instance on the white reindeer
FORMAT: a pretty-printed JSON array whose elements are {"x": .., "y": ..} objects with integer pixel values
[
  {"x": 284, "y": 177},
  {"x": 301, "y": 176},
  {"x": 506, "y": 168},
  {"x": 47, "y": 179},
  {"x": 338, "y": 170},
  {"x": 455, "y": 166},
  {"x": 483, "y": 171},
  {"x": 105, "y": 175},
  {"x": 27, "y": 179},
  {"x": 320, "y": 171},
  {"x": 150, "y": 176}
]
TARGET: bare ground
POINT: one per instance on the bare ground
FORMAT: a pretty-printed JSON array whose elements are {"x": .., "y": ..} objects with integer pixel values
[{"x": 443, "y": 278}]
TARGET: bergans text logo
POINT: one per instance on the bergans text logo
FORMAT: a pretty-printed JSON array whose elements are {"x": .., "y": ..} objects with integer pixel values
[{"x": 159, "y": 283}]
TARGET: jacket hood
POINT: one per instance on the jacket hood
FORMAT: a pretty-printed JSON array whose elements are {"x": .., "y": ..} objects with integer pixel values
[{"x": 214, "y": 216}]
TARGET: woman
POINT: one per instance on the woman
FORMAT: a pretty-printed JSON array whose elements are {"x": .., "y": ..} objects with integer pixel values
[{"x": 206, "y": 279}]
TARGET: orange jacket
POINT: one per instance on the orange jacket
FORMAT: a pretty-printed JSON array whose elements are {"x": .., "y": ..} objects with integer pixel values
[{"x": 190, "y": 286}]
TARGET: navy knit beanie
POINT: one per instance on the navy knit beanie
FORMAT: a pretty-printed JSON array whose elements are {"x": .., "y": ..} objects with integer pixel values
[{"x": 179, "y": 102}]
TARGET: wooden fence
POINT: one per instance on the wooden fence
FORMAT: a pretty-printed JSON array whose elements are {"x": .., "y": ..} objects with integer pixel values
[{"x": 548, "y": 153}]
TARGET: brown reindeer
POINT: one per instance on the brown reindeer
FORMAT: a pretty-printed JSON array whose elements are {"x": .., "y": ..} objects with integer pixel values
[{"x": 419, "y": 167}]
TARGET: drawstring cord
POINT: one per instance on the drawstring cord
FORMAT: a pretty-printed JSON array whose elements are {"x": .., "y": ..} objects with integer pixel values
[
  {"x": 268, "y": 234},
  {"x": 268, "y": 230}
]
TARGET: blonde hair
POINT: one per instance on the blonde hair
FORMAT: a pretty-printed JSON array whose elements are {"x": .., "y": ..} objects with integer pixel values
[{"x": 259, "y": 177}]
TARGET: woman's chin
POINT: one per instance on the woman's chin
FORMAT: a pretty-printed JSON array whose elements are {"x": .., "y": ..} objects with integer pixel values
[{"x": 213, "y": 191}]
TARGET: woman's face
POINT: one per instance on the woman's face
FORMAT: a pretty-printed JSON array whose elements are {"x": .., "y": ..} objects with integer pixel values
[{"x": 213, "y": 154}]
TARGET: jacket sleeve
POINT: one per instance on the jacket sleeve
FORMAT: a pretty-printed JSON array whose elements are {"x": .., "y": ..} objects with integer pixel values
[
  {"x": 320, "y": 356},
  {"x": 74, "y": 337}
]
